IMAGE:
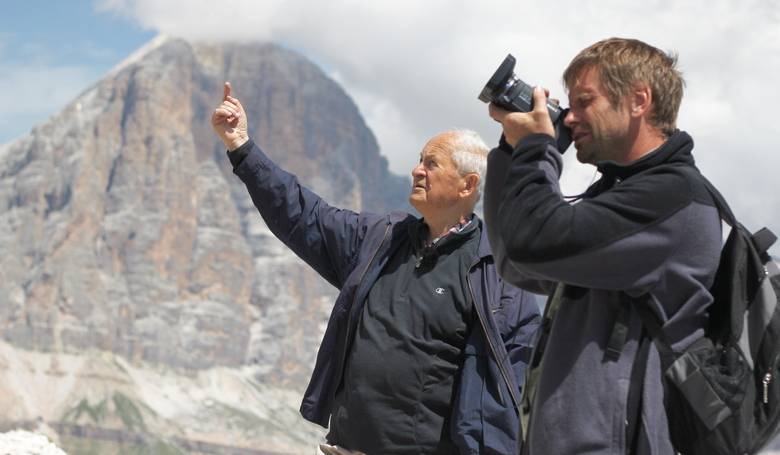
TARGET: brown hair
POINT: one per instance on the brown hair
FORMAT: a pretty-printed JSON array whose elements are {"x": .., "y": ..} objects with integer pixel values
[{"x": 624, "y": 63}]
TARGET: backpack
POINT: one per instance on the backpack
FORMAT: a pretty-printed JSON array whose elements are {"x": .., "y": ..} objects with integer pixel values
[{"x": 722, "y": 393}]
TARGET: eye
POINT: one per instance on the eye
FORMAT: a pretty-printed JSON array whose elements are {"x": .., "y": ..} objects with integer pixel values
[
  {"x": 584, "y": 101},
  {"x": 429, "y": 163}
]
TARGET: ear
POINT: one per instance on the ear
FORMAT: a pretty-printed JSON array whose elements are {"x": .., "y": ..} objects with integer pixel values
[
  {"x": 640, "y": 101},
  {"x": 469, "y": 185}
]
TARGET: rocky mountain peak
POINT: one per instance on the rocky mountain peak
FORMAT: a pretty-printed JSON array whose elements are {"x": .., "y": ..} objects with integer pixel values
[{"x": 124, "y": 229}]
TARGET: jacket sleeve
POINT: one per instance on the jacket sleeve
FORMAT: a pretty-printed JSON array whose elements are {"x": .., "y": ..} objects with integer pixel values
[
  {"x": 484, "y": 419},
  {"x": 618, "y": 240},
  {"x": 522, "y": 324},
  {"x": 325, "y": 237},
  {"x": 499, "y": 161}
]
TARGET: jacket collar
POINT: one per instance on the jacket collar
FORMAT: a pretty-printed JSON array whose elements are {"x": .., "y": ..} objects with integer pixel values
[
  {"x": 676, "y": 149},
  {"x": 483, "y": 250}
]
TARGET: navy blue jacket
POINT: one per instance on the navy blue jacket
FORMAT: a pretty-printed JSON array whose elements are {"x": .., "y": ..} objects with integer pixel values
[{"x": 350, "y": 250}]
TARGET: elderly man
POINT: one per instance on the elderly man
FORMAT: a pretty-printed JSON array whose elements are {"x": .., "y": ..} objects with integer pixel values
[
  {"x": 426, "y": 346},
  {"x": 644, "y": 239}
]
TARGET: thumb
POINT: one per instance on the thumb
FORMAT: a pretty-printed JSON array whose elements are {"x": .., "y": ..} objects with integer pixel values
[
  {"x": 226, "y": 90},
  {"x": 238, "y": 104},
  {"x": 540, "y": 99}
]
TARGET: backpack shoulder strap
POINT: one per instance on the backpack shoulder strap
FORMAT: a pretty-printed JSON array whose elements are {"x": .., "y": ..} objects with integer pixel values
[
  {"x": 720, "y": 202},
  {"x": 617, "y": 339},
  {"x": 762, "y": 240},
  {"x": 653, "y": 326}
]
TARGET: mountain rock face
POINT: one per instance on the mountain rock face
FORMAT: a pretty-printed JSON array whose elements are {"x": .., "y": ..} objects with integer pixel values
[{"x": 125, "y": 234}]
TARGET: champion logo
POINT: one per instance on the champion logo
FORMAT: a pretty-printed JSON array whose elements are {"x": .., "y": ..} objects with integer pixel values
[{"x": 439, "y": 291}]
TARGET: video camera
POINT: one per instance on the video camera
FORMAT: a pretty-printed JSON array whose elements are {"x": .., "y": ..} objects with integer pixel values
[{"x": 509, "y": 92}]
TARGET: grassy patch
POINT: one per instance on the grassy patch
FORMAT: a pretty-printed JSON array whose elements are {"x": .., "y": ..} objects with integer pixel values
[
  {"x": 128, "y": 412},
  {"x": 96, "y": 413},
  {"x": 82, "y": 446}
]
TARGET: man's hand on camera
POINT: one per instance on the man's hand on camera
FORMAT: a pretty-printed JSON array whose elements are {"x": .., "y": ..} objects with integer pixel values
[
  {"x": 229, "y": 121},
  {"x": 518, "y": 125}
]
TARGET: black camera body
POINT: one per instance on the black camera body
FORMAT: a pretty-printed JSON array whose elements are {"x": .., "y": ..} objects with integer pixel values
[{"x": 509, "y": 92}]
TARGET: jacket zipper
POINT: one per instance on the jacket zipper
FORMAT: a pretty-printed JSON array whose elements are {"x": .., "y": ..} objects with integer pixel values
[
  {"x": 766, "y": 381},
  {"x": 772, "y": 416},
  {"x": 354, "y": 299},
  {"x": 493, "y": 350},
  {"x": 768, "y": 376}
]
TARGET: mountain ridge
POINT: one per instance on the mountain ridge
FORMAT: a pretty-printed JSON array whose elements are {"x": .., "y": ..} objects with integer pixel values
[{"x": 126, "y": 233}]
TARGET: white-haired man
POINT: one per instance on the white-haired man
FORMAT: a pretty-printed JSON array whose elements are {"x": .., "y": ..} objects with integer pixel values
[{"x": 426, "y": 346}]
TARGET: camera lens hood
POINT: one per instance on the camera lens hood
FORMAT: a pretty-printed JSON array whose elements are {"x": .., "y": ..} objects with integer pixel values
[{"x": 498, "y": 81}]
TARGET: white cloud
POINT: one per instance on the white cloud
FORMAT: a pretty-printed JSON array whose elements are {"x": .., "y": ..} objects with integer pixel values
[
  {"x": 415, "y": 68},
  {"x": 31, "y": 93}
]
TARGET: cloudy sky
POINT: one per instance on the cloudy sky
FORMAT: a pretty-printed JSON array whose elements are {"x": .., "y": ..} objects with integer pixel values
[{"x": 415, "y": 67}]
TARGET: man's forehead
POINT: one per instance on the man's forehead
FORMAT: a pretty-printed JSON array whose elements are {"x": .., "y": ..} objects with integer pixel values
[
  {"x": 434, "y": 151},
  {"x": 588, "y": 74},
  {"x": 588, "y": 80},
  {"x": 438, "y": 146}
]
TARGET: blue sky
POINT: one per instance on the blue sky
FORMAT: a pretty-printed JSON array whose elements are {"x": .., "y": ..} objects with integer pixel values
[{"x": 50, "y": 51}]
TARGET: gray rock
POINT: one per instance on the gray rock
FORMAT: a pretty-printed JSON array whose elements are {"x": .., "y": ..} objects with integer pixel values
[{"x": 124, "y": 230}]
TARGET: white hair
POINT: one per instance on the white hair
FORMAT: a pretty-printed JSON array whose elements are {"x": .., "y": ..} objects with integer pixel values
[{"x": 469, "y": 152}]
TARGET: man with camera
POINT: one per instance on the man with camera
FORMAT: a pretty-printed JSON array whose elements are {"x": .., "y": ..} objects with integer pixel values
[
  {"x": 426, "y": 347},
  {"x": 645, "y": 238}
]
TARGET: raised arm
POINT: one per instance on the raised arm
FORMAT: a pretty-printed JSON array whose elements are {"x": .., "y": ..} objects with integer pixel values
[
  {"x": 325, "y": 237},
  {"x": 618, "y": 240}
]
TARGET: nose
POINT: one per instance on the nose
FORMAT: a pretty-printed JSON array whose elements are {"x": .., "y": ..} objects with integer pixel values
[
  {"x": 418, "y": 171},
  {"x": 570, "y": 118}
]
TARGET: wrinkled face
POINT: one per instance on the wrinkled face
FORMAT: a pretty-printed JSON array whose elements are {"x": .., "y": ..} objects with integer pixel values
[
  {"x": 599, "y": 130},
  {"x": 435, "y": 180}
]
